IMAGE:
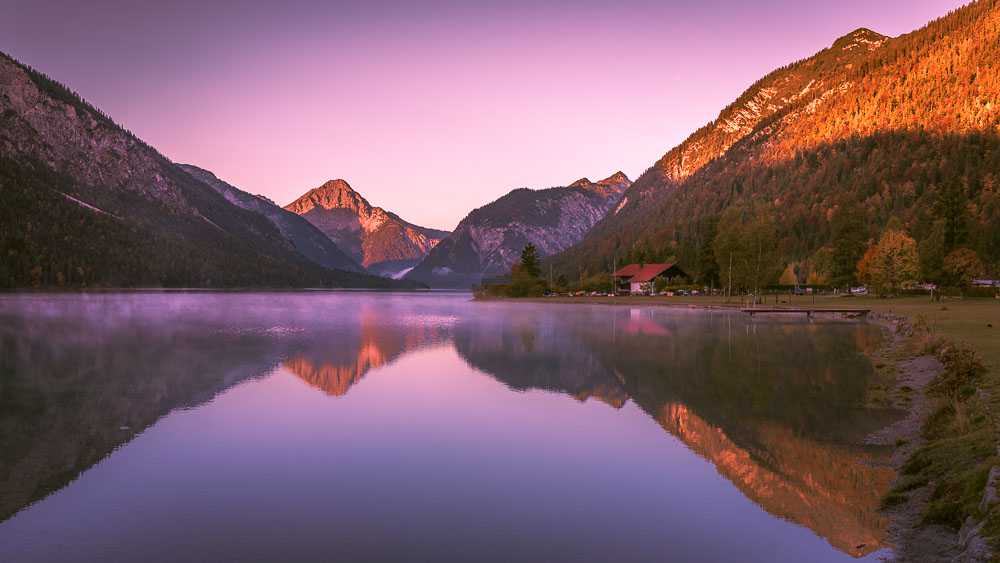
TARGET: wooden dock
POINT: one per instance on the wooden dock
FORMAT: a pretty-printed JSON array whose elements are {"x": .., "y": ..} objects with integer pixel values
[{"x": 808, "y": 311}]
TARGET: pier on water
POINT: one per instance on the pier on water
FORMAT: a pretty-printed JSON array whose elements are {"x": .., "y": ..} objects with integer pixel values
[{"x": 807, "y": 311}]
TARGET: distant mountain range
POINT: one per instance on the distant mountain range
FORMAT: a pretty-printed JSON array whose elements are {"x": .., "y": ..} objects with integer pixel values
[
  {"x": 379, "y": 240},
  {"x": 883, "y": 122},
  {"x": 308, "y": 240},
  {"x": 887, "y": 121},
  {"x": 86, "y": 203},
  {"x": 490, "y": 238}
]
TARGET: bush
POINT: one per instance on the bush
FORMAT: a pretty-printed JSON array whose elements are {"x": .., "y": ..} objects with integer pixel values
[{"x": 962, "y": 367}]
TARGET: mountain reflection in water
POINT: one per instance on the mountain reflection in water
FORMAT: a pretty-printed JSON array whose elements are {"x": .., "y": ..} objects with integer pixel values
[{"x": 772, "y": 405}]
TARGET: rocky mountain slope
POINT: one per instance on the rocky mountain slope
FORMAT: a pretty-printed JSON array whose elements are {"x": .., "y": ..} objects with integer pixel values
[
  {"x": 887, "y": 120},
  {"x": 308, "y": 240},
  {"x": 84, "y": 202},
  {"x": 379, "y": 240},
  {"x": 490, "y": 238}
]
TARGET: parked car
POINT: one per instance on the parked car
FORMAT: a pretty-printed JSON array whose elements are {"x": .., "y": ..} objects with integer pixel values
[{"x": 859, "y": 290}]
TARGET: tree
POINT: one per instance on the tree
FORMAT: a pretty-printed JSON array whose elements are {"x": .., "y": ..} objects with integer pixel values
[
  {"x": 932, "y": 253},
  {"x": 747, "y": 252},
  {"x": 708, "y": 266},
  {"x": 962, "y": 266},
  {"x": 529, "y": 261},
  {"x": 522, "y": 283},
  {"x": 952, "y": 207},
  {"x": 848, "y": 241},
  {"x": 821, "y": 266},
  {"x": 868, "y": 273},
  {"x": 815, "y": 278},
  {"x": 763, "y": 264},
  {"x": 886, "y": 265},
  {"x": 788, "y": 277},
  {"x": 728, "y": 245}
]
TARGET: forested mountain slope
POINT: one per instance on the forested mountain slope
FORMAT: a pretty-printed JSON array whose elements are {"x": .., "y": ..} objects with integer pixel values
[
  {"x": 895, "y": 121},
  {"x": 84, "y": 202}
]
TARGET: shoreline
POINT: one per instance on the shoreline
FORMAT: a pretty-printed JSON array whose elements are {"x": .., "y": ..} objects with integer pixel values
[{"x": 911, "y": 540}]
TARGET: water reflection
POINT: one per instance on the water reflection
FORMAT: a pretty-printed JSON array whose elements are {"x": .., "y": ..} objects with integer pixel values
[
  {"x": 80, "y": 375},
  {"x": 335, "y": 360},
  {"x": 772, "y": 405}
]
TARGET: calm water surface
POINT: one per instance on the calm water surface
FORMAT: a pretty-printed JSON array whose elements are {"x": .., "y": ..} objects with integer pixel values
[{"x": 423, "y": 427}]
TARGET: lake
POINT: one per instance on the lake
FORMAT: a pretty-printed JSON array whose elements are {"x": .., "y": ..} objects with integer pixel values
[{"x": 362, "y": 426}]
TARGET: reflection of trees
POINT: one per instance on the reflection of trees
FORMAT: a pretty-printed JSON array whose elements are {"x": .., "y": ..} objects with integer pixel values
[
  {"x": 772, "y": 405},
  {"x": 537, "y": 352},
  {"x": 77, "y": 384},
  {"x": 81, "y": 376}
]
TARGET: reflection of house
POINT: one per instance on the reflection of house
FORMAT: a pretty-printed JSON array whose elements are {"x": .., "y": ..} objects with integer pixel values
[{"x": 640, "y": 278}]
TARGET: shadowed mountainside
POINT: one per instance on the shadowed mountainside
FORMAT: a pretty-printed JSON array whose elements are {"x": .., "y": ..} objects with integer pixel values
[
  {"x": 84, "y": 203},
  {"x": 308, "y": 240}
]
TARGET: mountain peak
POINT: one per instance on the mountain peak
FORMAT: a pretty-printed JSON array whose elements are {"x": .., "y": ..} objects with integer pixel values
[
  {"x": 338, "y": 185},
  {"x": 617, "y": 177},
  {"x": 334, "y": 194},
  {"x": 860, "y": 38},
  {"x": 370, "y": 235},
  {"x": 581, "y": 182}
]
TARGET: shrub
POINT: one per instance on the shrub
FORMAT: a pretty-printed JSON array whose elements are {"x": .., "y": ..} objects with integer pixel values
[{"x": 962, "y": 367}]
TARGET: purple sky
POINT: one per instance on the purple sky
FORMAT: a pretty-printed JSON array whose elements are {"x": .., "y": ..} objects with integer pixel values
[{"x": 427, "y": 108}]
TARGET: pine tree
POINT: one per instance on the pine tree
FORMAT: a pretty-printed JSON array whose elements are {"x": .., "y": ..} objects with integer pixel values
[
  {"x": 952, "y": 208},
  {"x": 530, "y": 262},
  {"x": 708, "y": 266},
  {"x": 729, "y": 246},
  {"x": 848, "y": 241}
]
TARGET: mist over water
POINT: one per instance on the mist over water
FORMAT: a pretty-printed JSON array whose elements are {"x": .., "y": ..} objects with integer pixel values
[{"x": 422, "y": 426}]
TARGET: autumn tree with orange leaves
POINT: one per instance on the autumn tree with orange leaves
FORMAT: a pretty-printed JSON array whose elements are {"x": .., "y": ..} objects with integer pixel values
[{"x": 889, "y": 263}]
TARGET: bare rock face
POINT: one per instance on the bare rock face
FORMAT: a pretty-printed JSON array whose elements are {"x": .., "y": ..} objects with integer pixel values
[
  {"x": 490, "y": 238},
  {"x": 379, "y": 240},
  {"x": 79, "y": 143}
]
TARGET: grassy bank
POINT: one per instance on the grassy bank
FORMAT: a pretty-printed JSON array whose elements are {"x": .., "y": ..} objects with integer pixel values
[{"x": 959, "y": 438}]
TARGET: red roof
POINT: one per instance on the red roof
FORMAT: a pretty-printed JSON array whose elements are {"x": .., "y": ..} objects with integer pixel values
[
  {"x": 644, "y": 272},
  {"x": 628, "y": 271}
]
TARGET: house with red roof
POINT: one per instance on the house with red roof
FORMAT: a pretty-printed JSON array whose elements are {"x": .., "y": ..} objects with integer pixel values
[{"x": 638, "y": 279}]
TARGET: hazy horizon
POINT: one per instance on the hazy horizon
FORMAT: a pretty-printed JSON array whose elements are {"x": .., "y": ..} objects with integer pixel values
[{"x": 428, "y": 111}]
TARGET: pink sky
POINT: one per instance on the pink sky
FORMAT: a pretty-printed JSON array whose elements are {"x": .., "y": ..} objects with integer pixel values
[{"x": 428, "y": 109}]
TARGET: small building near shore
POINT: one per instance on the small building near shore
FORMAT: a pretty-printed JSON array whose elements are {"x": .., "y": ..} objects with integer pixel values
[{"x": 638, "y": 279}]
